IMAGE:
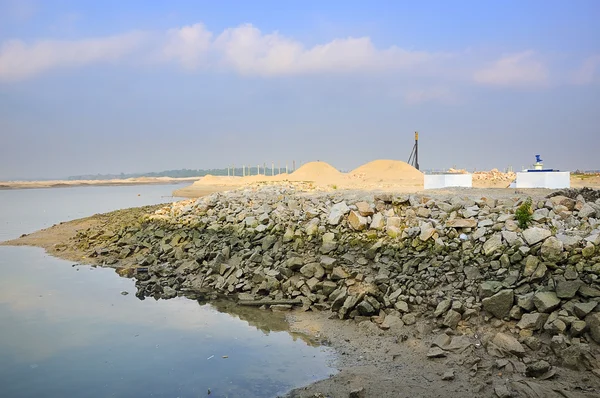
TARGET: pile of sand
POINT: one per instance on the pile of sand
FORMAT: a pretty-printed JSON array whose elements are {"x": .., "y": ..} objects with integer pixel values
[
  {"x": 319, "y": 172},
  {"x": 218, "y": 180},
  {"x": 388, "y": 171}
]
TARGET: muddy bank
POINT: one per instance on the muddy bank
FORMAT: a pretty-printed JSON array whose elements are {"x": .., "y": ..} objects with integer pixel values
[{"x": 426, "y": 294}]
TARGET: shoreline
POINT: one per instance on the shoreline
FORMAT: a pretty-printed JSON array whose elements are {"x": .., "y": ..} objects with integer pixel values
[
  {"x": 372, "y": 357},
  {"x": 10, "y": 185}
]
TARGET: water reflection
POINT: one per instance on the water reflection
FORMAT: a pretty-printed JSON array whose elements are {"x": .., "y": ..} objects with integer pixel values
[{"x": 68, "y": 331}]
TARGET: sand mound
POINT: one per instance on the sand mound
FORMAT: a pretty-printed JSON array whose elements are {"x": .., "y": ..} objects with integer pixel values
[
  {"x": 218, "y": 180},
  {"x": 316, "y": 171},
  {"x": 387, "y": 170}
]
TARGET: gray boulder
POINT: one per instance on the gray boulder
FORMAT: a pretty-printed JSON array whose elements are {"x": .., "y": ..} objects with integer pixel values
[
  {"x": 500, "y": 303},
  {"x": 534, "y": 235},
  {"x": 451, "y": 319},
  {"x": 567, "y": 289},
  {"x": 583, "y": 309},
  {"x": 442, "y": 307},
  {"x": 587, "y": 211},
  {"x": 337, "y": 212},
  {"x": 534, "y": 321},
  {"x": 509, "y": 344},
  {"x": 593, "y": 322},
  {"x": 546, "y": 301},
  {"x": 552, "y": 250},
  {"x": 493, "y": 244}
]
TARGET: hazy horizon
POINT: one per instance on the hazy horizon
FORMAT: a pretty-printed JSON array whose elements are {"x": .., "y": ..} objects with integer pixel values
[{"x": 115, "y": 87}]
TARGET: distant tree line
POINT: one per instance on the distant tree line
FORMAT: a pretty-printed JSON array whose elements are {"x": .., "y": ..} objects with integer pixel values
[
  {"x": 167, "y": 173},
  {"x": 181, "y": 173}
]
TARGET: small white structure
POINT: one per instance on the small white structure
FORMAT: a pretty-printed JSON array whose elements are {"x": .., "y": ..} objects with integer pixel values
[
  {"x": 434, "y": 181},
  {"x": 544, "y": 179}
]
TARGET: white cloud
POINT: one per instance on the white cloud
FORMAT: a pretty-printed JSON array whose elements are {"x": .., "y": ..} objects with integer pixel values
[
  {"x": 188, "y": 45},
  {"x": 521, "y": 69},
  {"x": 589, "y": 71},
  {"x": 243, "y": 49},
  {"x": 19, "y": 60},
  {"x": 247, "y": 50}
]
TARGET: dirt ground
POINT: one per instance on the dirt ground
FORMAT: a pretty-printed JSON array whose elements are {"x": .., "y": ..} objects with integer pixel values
[{"x": 394, "y": 363}]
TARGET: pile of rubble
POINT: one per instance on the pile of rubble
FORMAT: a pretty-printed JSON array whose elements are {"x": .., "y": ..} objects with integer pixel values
[{"x": 388, "y": 258}]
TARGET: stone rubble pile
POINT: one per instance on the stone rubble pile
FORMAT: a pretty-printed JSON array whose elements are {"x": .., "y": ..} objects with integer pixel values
[
  {"x": 494, "y": 175},
  {"x": 386, "y": 257}
]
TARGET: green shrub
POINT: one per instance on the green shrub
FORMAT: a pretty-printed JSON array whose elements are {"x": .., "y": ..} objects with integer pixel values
[{"x": 524, "y": 214}]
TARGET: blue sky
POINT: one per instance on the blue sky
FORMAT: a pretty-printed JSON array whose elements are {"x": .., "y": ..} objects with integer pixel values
[{"x": 112, "y": 86}]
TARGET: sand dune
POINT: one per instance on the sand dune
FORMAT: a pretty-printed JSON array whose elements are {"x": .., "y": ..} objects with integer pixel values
[
  {"x": 319, "y": 172},
  {"x": 387, "y": 171}
]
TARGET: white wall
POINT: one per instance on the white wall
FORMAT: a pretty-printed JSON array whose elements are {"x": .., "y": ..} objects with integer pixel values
[
  {"x": 544, "y": 179},
  {"x": 433, "y": 181}
]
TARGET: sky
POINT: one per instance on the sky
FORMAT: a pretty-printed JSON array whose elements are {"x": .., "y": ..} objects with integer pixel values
[{"x": 139, "y": 86}]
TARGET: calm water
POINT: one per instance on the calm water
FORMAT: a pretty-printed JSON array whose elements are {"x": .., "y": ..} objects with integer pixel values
[{"x": 66, "y": 331}]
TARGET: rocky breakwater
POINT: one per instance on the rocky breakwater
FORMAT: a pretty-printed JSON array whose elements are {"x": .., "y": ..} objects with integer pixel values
[{"x": 391, "y": 259}]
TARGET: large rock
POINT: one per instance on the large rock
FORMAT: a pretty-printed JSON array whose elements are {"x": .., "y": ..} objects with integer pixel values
[
  {"x": 427, "y": 231},
  {"x": 533, "y": 321},
  {"x": 489, "y": 288},
  {"x": 593, "y": 322},
  {"x": 392, "y": 322},
  {"x": 356, "y": 221},
  {"x": 364, "y": 209},
  {"x": 525, "y": 301},
  {"x": 569, "y": 241},
  {"x": 587, "y": 211},
  {"x": 365, "y": 308},
  {"x": 394, "y": 222},
  {"x": 552, "y": 250},
  {"x": 509, "y": 344},
  {"x": 531, "y": 264},
  {"x": 583, "y": 309},
  {"x": 546, "y": 301},
  {"x": 377, "y": 223},
  {"x": 294, "y": 263},
  {"x": 451, "y": 319},
  {"x": 500, "y": 303},
  {"x": 589, "y": 291},
  {"x": 567, "y": 289},
  {"x": 337, "y": 212},
  {"x": 589, "y": 250},
  {"x": 594, "y": 239},
  {"x": 510, "y": 237},
  {"x": 442, "y": 307},
  {"x": 338, "y": 273},
  {"x": 493, "y": 244},
  {"x": 563, "y": 201},
  {"x": 423, "y": 212},
  {"x": 472, "y": 273},
  {"x": 461, "y": 223},
  {"x": 534, "y": 235},
  {"x": 313, "y": 270}
]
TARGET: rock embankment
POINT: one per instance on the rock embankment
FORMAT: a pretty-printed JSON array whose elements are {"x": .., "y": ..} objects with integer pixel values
[{"x": 389, "y": 258}]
